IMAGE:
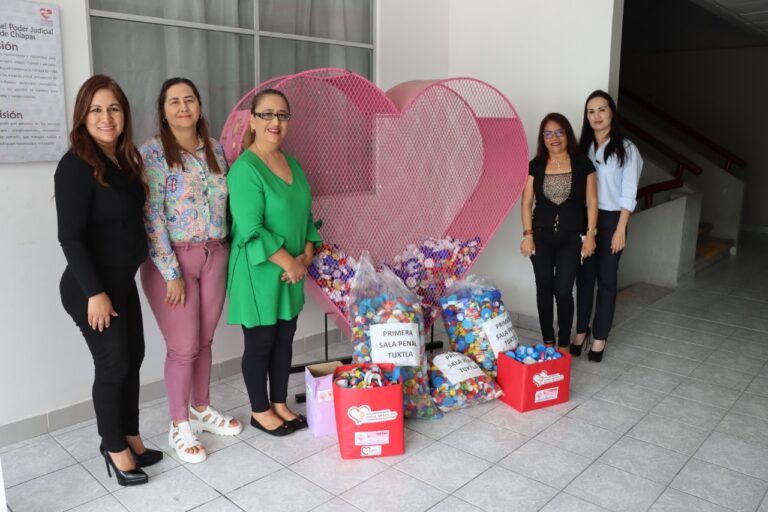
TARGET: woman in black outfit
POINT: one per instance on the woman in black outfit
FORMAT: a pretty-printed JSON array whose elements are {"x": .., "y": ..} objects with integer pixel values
[
  {"x": 99, "y": 205},
  {"x": 561, "y": 230}
]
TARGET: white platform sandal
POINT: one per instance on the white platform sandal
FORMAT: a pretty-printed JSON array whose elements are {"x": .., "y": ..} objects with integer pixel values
[
  {"x": 211, "y": 420},
  {"x": 181, "y": 438}
]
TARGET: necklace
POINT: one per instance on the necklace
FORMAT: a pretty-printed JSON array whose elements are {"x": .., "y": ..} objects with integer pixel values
[{"x": 557, "y": 162}]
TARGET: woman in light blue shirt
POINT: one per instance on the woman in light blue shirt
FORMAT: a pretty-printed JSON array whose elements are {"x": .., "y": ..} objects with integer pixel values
[{"x": 618, "y": 165}]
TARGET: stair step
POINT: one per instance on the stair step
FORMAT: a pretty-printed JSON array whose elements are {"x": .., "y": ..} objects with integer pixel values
[
  {"x": 705, "y": 228},
  {"x": 711, "y": 250}
]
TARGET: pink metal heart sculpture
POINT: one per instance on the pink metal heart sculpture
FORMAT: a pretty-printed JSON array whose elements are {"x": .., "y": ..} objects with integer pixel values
[{"x": 441, "y": 159}]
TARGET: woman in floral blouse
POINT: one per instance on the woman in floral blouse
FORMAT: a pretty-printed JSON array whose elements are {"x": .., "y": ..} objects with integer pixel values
[{"x": 185, "y": 281}]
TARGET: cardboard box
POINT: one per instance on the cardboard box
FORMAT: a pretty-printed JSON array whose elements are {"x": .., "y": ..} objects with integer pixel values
[
  {"x": 528, "y": 387},
  {"x": 318, "y": 379},
  {"x": 369, "y": 421}
]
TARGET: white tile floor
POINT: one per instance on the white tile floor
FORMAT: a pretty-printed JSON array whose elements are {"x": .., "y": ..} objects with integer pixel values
[{"x": 674, "y": 419}]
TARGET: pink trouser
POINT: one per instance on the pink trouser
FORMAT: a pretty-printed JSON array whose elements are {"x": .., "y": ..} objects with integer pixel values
[{"x": 188, "y": 330}]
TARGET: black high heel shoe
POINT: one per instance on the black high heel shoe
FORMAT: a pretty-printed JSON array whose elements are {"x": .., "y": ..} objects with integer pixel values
[
  {"x": 575, "y": 350},
  {"x": 596, "y": 356},
  {"x": 147, "y": 458},
  {"x": 135, "y": 476}
]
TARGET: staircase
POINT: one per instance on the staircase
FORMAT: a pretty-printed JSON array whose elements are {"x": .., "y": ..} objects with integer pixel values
[{"x": 689, "y": 201}]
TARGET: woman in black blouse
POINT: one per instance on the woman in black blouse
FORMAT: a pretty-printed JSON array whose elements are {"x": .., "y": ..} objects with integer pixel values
[
  {"x": 99, "y": 206},
  {"x": 560, "y": 232}
]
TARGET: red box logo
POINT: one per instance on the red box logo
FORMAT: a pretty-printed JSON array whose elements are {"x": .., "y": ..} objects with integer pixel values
[{"x": 533, "y": 386}]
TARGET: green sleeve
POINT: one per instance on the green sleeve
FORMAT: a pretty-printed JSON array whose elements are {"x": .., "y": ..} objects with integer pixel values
[
  {"x": 312, "y": 234},
  {"x": 246, "y": 196}
]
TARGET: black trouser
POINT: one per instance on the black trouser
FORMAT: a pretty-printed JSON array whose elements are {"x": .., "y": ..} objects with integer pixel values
[
  {"x": 268, "y": 350},
  {"x": 117, "y": 353},
  {"x": 603, "y": 267},
  {"x": 555, "y": 265}
]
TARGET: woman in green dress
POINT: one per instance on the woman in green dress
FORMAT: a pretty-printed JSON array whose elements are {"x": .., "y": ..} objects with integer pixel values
[{"x": 273, "y": 238}]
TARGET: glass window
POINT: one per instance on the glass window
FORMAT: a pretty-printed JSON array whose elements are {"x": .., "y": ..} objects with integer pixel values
[
  {"x": 343, "y": 20},
  {"x": 221, "y": 57},
  {"x": 284, "y": 56},
  {"x": 227, "y": 13},
  {"x": 140, "y": 56}
]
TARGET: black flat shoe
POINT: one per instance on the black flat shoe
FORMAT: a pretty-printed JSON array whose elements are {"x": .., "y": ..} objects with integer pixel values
[
  {"x": 148, "y": 458},
  {"x": 284, "y": 429},
  {"x": 135, "y": 476},
  {"x": 298, "y": 423}
]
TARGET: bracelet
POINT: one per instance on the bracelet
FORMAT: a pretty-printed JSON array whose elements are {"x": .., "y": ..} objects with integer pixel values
[
  {"x": 592, "y": 231},
  {"x": 528, "y": 236},
  {"x": 527, "y": 232}
]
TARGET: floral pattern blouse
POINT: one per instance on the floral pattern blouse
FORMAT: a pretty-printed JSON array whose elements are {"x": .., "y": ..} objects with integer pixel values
[{"x": 184, "y": 205}]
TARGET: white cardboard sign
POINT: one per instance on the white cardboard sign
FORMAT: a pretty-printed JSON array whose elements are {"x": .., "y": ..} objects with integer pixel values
[
  {"x": 501, "y": 333},
  {"x": 396, "y": 343},
  {"x": 457, "y": 367}
]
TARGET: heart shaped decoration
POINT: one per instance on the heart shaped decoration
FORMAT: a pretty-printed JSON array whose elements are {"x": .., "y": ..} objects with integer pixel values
[
  {"x": 357, "y": 414},
  {"x": 46, "y": 13},
  {"x": 420, "y": 176},
  {"x": 370, "y": 451}
]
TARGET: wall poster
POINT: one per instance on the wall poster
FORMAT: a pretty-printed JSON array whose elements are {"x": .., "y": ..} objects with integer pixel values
[{"x": 33, "y": 123}]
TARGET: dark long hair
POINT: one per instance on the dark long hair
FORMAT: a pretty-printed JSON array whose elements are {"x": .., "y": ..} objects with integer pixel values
[
  {"x": 82, "y": 144},
  {"x": 171, "y": 148},
  {"x": 615, "y": 146},
  {"x": 249, "y": 136},
  {"x": 542, "y": 153}
]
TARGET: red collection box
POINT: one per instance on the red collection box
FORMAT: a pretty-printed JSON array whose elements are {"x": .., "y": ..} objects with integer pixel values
[
  {"x": 533, "y": 386},
  {"x": 369, "y": 421}
]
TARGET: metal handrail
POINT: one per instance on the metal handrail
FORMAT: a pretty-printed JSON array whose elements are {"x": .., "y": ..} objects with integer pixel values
[
  {"x": 683, "y": 163},
  {"x": 730, "y": 158}
]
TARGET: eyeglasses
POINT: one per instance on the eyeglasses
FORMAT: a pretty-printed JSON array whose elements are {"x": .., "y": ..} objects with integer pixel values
[
  {"x": 268, "y": 116},
  {"x": 549, "y": 133}
]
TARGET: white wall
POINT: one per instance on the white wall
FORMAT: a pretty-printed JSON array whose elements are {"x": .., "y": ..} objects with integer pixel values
[
  {"x": 617, "y": 38},
  {"x": 43, "y": 353},
  {"x": 543, "y": 55},
  {"x": 411, "y": 41},
  {"x": 672, "y": 226}
]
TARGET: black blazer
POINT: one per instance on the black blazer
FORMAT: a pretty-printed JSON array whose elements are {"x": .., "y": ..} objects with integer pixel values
[
  {"x": 99, "y": 227},
  {"x": 572, "y": 214}
]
